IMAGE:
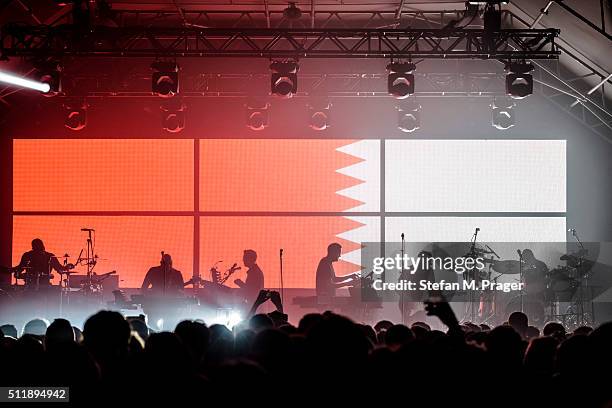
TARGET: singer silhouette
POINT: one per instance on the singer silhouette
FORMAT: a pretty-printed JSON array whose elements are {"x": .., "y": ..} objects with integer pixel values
[{"x": 163, "y": 279}]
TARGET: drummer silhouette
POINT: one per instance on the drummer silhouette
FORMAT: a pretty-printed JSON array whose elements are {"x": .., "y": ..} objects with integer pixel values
[{"x": 38, "y": 264}]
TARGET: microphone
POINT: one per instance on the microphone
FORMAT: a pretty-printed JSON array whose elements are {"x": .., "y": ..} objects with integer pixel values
[
  {"x": 520, "y": 254},
  {"x": 477, "y": 229},
  {"x": 572, "y": 230},
  {"x": 281, "y": 252},
  {"x": 402, "y": 236},
  {"x": 87, "y": 229}
]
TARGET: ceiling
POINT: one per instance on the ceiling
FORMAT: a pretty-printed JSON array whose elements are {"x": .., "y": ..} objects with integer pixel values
[{"x": 588, "y": 56}]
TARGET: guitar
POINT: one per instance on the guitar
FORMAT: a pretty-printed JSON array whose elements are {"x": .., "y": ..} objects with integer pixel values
[{"x": 216, "y": 275}]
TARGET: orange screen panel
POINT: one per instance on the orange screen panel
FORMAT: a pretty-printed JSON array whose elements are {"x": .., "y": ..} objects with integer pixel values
[
  {"x": 103, "y": 175},
  {"x": 129, "y": 245},
  {"x": 275, "y": 175},
  {"x": 304, "y": 240}
]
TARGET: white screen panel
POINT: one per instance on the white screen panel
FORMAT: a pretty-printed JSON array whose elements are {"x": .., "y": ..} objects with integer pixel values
[
  {"x": 460, "y": 229},
  {"x": 475, "y": 176}
]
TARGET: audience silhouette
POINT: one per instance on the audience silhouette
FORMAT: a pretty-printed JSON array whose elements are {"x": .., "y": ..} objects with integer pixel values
[{"x": 325, "y": 357}]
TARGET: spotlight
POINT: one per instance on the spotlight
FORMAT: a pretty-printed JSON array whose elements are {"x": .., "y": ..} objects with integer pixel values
[
  {"x": 49, "y": 72},
  {"x": 292, "y": 12},
  {"x": 173, "y": 117},
  {"x": 53, "y": 80},
  {"x": 165, "y": 79},
  {"x": 283, "y": 81},
  {"x": 233, "y": 319},
  {"x": 76, "y": 115},
  {"x": 23, "y": 82},
  {"x": 257, "y": 115},
  {"x": 319, "y": 115},
  {"x": 400, "y": 82},
  {"x": 503, "y": 115},
  {"x": 519, "y": 82},
  {"x": 409, "y": 118}
]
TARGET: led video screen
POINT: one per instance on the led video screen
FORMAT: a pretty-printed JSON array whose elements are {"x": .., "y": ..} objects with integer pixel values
[
  {"x": 208, "y": 200},
  {"x": 103, "y": 175},
  {"x": 475, "y": 175},
  {"x": 129, "y": 245}
]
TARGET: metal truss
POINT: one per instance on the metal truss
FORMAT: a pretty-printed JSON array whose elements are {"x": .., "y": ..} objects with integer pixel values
[
  {"x": 473, "y": 85},
  {"x": 43, "y": 41},
  {"x": 555, "y": 86},
  {"x": 347, "y": 17},
  {"x": 562, "y": 88}
]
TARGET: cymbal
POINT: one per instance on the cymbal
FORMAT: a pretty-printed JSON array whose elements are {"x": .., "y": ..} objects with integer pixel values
[
  {"x": 573, "y": 255},
  {"x": 508, "y": 267},
  {"x": 61, "y": 256}
]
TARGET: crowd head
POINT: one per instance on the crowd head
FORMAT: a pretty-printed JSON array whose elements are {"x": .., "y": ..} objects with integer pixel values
[{"x": 323, "y": 354}]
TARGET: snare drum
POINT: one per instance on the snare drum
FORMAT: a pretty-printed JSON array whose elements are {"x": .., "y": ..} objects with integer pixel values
[{"x": 559, "y": 280}]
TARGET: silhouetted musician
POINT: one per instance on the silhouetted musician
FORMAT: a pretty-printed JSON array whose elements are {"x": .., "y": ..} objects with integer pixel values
[
  {"x": 326, "y": 281},
  {"x": 163, "y": 280},
  {"x": 254, "y": 280},
  {"x": 38, "y": 264},
  {"x": 534, "y": 272}
]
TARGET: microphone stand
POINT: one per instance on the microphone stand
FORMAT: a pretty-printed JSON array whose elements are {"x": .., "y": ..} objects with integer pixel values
[
  {"x": 581, "y": 291},
  {"x": 520, "y": 254},
  {"x": 165, "y": 271},
  {"x": 402, "y": 275},
  {"x": 282, "y": 285},
  {"x": 90, "y": 259},
  {"x": 471, "y": 277}
]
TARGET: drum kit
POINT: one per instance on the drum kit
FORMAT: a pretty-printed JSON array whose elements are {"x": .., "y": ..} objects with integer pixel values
[
  {"x": 89, "y": 286},
  {"x": 541, "y": 293}
]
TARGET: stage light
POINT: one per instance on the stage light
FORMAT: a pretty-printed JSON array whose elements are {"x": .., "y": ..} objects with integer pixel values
[
  {"x": 257, "y": 115},
  {"x": 49, "y": 71},
  {"x": 519, "y": 82},
  {"x": 409, "y": 118},
  {"x": 234, "y": 319},
  {"x": 24, "y": 83},
  {"x": 503, "y": 115},
  {"x": 283, "y": 81},
  {"x": 319, "y": 115},
  {"x": 54, "y": 82},
  {"x": 400, "y": 82},
  {"x": 173, "y": 117},
  {"x": 76, "y": 115},
  {"x": 165, "y": 79}
]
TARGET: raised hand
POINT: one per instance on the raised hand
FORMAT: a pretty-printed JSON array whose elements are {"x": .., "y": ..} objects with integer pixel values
[
  {"x": 262, "y": 296},
  {"x": 276, "y": 299},
  {"x": 438, "y": 306}
]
